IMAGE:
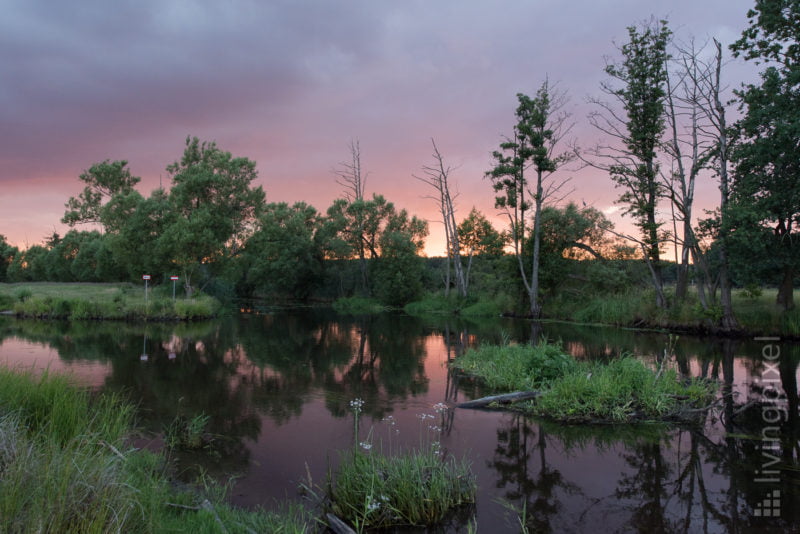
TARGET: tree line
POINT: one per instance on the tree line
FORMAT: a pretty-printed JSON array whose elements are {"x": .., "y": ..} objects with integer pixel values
[{"x": 663, "y": 125}]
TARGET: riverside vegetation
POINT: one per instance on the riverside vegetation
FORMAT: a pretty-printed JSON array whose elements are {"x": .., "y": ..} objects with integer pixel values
[
  {"x": 66, "y": 466},
  {"x": 82, "y": 301},
  {"x": 622, "y": 390}
]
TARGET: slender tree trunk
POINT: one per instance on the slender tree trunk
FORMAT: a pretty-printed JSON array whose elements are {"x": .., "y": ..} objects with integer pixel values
[
  {"x": 728, "y": 320},
  {"x": 536, "y": 308},
  {"x": 786, "y": 290}
]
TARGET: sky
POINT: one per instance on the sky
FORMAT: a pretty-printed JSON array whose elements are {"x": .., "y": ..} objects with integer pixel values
[{"x": 289, "y": 84}]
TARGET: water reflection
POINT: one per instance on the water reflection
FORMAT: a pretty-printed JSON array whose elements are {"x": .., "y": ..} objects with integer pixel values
[{"x": 277, "y": 389}]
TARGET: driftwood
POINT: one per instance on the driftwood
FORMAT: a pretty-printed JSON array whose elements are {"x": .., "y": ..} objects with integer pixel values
[
  {"x": 506, "y": 398},
  {"x": 338, "y": 526}
]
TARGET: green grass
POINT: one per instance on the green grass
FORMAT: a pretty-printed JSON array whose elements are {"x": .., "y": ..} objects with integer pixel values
[
  {"x": 64, "y": 467},
  {"x": 622, "y": 390},
  {"x": 83, "y": 301},
  {"x": 438, "y": 304},
  {"x": 358, "y": 306},
  {"x": 757, "y": 314},
  {"x": 507, "y": 368},
  {"x": 419, "y": 488},
  {"x": 434, "y": 305}
]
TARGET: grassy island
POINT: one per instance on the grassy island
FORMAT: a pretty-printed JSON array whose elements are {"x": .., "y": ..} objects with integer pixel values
[{"x": 622, "y": 390}]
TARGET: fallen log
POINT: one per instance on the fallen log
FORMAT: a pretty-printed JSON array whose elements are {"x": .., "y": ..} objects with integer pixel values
[
  {"x": 338, "y": 526},
  {"x": 506, "y": 398}
]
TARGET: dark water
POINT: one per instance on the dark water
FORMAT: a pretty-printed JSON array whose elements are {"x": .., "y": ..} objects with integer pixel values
[{"x": 278, "y": 386}]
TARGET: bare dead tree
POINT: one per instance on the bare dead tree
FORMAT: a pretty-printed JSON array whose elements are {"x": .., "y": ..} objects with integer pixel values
[
  {"x": 706, "y": 78},
  {"x": 351, "y": 178},
  {"x": 437, "y": 176},
  {"x": 689, "y": 150},
  {"x": 349, "y": 174}
]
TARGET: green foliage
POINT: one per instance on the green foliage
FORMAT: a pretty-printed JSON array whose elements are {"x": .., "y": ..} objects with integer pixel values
[
  {"x": 516, "y": 367},
  {"x": 417, "y": 489},
  {"x": 283, "y": 256},
  {"x": 106, "y": 301},
  {"x": 766, "y": 185},
  {"x": 7, "y": 253},
  {"x": 477, "y": 236},
  {"x": 103, "y": 181},
  {"x": 358, "y": 306},
  {"x": 22, "y": 294},
  {"x": 186, "y": 432},
  {"x": 622, "y": 390}
]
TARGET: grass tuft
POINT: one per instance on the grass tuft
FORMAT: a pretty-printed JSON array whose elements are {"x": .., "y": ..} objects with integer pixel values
[{"x": 419, "y": 488}]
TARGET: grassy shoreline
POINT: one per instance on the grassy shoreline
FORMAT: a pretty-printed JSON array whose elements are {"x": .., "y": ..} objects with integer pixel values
[
  {"x": 757, "y": 313},
  {"x": 65, "y": 467},
  {"x": 95, "y": 301}
]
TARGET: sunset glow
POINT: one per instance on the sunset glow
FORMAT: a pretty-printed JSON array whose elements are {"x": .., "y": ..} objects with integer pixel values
[{"x": 289, "y": 84}]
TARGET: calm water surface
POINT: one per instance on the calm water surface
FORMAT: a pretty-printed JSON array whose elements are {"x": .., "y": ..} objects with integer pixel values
[{"x": 277, "y": 387}]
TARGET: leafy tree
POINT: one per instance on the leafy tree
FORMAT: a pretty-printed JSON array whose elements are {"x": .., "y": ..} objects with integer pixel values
[
  {"x": 138, "y": 236},
  {"x": 215, "y": 208},
  {"x": 7, "y": 253},
  {"x": 766, "y": 185},
  {"x": 576, "y": 250},
  {"x": 540, "y": 126},
  {"x": 634, "y": 165},
  {"x": 283, "y": 256},
  {"x": 479, "y": 237},
  {"x": 103, "y": 181},
  {"x": 29, "y": 265},
  {"x": 352, "y": 226},
  {"x": 397, "y": 273}
]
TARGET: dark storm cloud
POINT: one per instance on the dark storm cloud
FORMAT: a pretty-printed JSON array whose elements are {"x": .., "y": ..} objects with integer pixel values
[{"x": 91, "y": 72}]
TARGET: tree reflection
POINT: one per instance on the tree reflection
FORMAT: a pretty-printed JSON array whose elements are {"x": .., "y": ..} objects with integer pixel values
[{"x": 528, "y": 488}]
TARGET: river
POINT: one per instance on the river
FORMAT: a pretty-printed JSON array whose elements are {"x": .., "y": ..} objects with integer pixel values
[{"x": 277, "y": 387}]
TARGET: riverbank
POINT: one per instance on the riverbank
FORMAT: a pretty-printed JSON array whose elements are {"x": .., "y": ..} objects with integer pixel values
[
  {"x": 756, "y": 312},
  {"x": 98, "y": 301},
  {"x": 66, "y": 467}
]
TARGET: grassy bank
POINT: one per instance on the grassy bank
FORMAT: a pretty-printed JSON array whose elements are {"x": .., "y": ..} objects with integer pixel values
[
  {"x": 757, "y": 313},
  {"x": 65, "y": 467},
  {"x": 622, "y": 390},
  {"x": 85, "y": 301}
]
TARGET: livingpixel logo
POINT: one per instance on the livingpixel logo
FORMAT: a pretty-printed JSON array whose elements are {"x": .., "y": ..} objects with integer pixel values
[{"x": 774, "y": 411}]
